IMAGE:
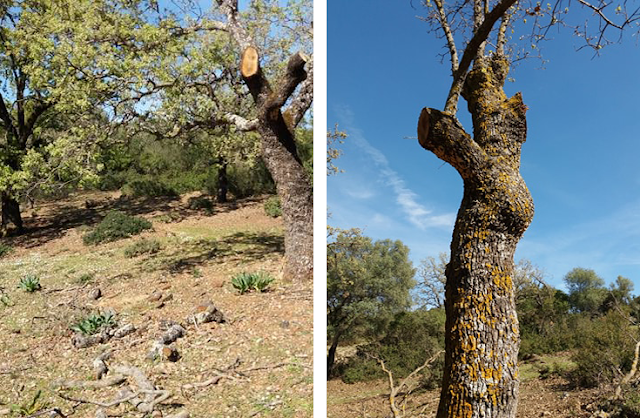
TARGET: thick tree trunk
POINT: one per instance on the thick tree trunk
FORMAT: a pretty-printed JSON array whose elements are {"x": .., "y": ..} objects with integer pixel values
[
  {"x": 281, "y": 158},
  {"x": 482, "y": 334},
  {"x": 10, "y": 213},
  {"x": 296, "y": 198}
]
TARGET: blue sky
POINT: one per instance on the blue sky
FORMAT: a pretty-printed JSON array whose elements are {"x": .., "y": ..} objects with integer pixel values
[{"x": 580, "y": 161}]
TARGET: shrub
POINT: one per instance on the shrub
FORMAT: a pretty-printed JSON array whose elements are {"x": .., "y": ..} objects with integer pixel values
[
  {"x": 5, "y": 249},
  {"x": 94, "y": 323},
  {"x": 272, "y": 207},
  {"x": 245, "y": 180},
  {"x": 245, "y": 282},
  {"x": 201, "y": 203},
  {"x": 116, "y": 225},
  {"x": 30, "y": 283},
  {"x": 606, "y": 348},
  {"x": 147, "y": 188},
  {"x": 143, "y": 246},
  {"x": 409, "y": 339}
]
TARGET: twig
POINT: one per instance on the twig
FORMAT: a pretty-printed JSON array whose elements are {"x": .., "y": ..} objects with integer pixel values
[
  {"x": 91, "y": 384},
  {"x": 102, "y": 404},
  {"x": 275, "y": 366}
]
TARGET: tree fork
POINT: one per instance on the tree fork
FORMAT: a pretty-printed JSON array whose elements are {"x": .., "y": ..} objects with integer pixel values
[
  {"x": 280, "y": 155},
  {"x": 481, "y": 331}
]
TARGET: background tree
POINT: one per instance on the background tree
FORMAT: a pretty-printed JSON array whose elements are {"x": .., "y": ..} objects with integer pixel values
[
  {"x": 586, "y": 290},
  {"x": 65, "y": 60},
  {"x": 367, "y": 284},
  {"x": 244, "y": 70},
  {"x": 431, "y": 280},
  {"x": 480, "y": 377}
]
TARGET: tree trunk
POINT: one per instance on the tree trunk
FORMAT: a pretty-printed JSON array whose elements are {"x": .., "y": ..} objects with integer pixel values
[
  {"x": 296, "y": 198},
  {"x": 331, "y": 355},
  {"x": 10, "y": 213},
  {"x": 481, "y": 332},
  {"x": 281, "y": 158},
  {"x": 223, "y": 182}
]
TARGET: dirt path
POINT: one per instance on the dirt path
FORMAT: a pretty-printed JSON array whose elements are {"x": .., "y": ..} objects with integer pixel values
[{"x": 260, "y": 358}]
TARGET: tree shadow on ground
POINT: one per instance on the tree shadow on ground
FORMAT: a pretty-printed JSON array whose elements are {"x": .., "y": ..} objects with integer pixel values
[
  {"x": 248, "y": 246},
  {"x": 63, "y": 216}
]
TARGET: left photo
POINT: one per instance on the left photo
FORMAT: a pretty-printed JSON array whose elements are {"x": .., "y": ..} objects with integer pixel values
[{"x": 156, "y": 243}]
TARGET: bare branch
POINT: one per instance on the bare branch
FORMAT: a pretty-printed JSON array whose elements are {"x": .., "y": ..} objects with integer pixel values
[
  {"x": 470, "y": 53},
  {"x": 448, "y": 33}
]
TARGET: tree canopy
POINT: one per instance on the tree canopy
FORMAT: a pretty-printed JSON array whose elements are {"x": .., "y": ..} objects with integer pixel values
[{"x": 368, "y": 282}]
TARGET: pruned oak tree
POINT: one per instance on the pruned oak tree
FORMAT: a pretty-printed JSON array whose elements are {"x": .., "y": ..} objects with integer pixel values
[
  {"x": 482, "y": 335},
  {"x": 276, "y": 125}
]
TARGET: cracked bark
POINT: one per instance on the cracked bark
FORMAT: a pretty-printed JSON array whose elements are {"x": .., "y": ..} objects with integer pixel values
[
  {"x": 482, "y": 335},
  {"x": 276, "y": 128},
  {"x": 280, "y": 155}
]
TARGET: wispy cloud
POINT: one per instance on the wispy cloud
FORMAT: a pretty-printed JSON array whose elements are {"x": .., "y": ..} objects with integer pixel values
[
  {"x": 416, "y": 213},
  {"x": 608, "y": 244}
]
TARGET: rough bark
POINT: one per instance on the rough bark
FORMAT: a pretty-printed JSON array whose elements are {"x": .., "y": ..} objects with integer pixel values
[
  {"x": 276, "y": 128},
  {"x": 280, "y": 155},
  {"x": 482, "y": 334}
]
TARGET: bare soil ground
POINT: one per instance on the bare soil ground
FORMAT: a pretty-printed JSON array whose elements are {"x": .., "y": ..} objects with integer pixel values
[
  {"x": 551, "y": 397},
  {"x": 257, "y": 363}
]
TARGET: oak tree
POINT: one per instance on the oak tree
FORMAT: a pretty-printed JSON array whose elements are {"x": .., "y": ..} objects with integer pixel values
[
  {"x": 63, "y": 65},
  {"x": 482, "y": 335},
  {"x": 367, "y": 284},
  {"x": 246, "y": 70}
]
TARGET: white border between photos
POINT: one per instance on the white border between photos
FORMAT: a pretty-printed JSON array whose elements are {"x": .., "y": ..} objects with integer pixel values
[{"x": 319, "y": 209}]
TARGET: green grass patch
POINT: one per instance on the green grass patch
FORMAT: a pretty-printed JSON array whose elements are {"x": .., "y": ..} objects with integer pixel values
[
  {"x": 143, "y": 246},
  {"x": 201, "y": 203},
  {"x": 5, "y": 249}
]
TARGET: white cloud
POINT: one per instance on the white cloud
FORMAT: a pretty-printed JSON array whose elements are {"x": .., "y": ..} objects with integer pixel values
[{"x": 416, "y": 213}]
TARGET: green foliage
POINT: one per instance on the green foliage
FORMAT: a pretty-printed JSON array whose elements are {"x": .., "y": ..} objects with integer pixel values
[
  {"x": 30, "y": 408},
  {"x": 116, "y": 225},
  {"x": 410, "y": 338},
  {"x": 630, "y": 407},
  {"x": 85, "y": 278},
  {"x": 147, "y": 188},
  {"x": 368, "y": 283},
  {"x": 143, "y": 246},
  {"x": 245, "y": 180},
  {"x": 201, "y": 203},
  {"x": 586, "y": 290},
  {"x": 60, "y": 78},
  {"x": 94, "y": 323},
  {"x": 245, "y": 282},
  {"x": 5, "y": 249},
  {"x": 30, "y": 283},
  {"x": 272, "y": 207},
  {"x": 606, "y": 347}
]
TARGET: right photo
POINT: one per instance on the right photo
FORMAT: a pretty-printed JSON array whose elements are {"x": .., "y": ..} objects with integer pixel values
[{"x": 483, "y": 194}]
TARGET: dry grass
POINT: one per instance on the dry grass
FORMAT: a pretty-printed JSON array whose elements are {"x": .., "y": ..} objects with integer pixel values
[{"x": 270, "y": 334}]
